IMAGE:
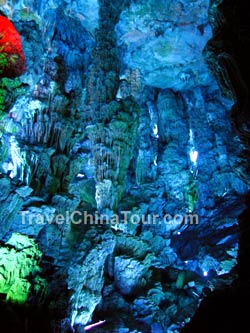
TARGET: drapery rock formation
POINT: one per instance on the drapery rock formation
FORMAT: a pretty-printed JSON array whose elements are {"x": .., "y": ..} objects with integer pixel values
[{"x": 123, "y": 161}]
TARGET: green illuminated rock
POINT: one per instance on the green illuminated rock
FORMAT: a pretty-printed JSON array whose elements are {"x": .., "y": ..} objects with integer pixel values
[
  {"x": 19, "y": 266},
  {"x": 19, "y": 291}
]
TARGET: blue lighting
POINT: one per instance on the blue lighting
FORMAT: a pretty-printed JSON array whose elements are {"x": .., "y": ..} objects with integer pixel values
[
  {"x": 193, "y": 156},
  {"x": 205, "y": 273}
]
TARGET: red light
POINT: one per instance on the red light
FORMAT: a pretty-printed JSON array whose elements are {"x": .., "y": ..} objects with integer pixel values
[{"x": 12, "y": 60}]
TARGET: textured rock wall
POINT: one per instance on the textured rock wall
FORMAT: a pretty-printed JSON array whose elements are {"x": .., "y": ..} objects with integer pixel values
[{"x": 118, "y": 110}]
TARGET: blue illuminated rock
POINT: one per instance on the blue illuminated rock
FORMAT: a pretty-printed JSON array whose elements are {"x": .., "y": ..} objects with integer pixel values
[
  {"x": 165, "y": 42},
  {"x": 129, "y": 109}
]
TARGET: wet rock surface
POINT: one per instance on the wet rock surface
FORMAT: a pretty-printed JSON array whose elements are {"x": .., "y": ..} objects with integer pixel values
[{"x": 124, "y": 157}]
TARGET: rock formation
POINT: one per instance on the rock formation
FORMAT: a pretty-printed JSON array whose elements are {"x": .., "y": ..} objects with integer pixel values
[{"x": 124, "y": 159}]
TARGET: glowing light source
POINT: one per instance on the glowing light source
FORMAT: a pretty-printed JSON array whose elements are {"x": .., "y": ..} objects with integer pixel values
[
  {"x": 89, "y": 327},
  {"x": 155, "y": 131},
  {"x": 155, "y": 161},
  {"x": 205, "y": 273},
  {"x": 193, "y": 156},
  {"x": 118, "y": 94},
  {"x": 193, "y": 153},
  {"x": 80, "y": 175}
]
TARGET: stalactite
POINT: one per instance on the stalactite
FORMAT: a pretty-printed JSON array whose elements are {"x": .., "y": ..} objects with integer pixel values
[{"x": 111, "y": 162}]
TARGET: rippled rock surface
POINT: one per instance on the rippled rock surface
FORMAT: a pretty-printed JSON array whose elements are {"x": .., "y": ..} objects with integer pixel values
[{"x": 124, "y": 152}]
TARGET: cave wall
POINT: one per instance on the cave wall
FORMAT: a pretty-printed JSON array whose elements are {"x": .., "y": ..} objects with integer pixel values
[{"x": 125, "y": 107}]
